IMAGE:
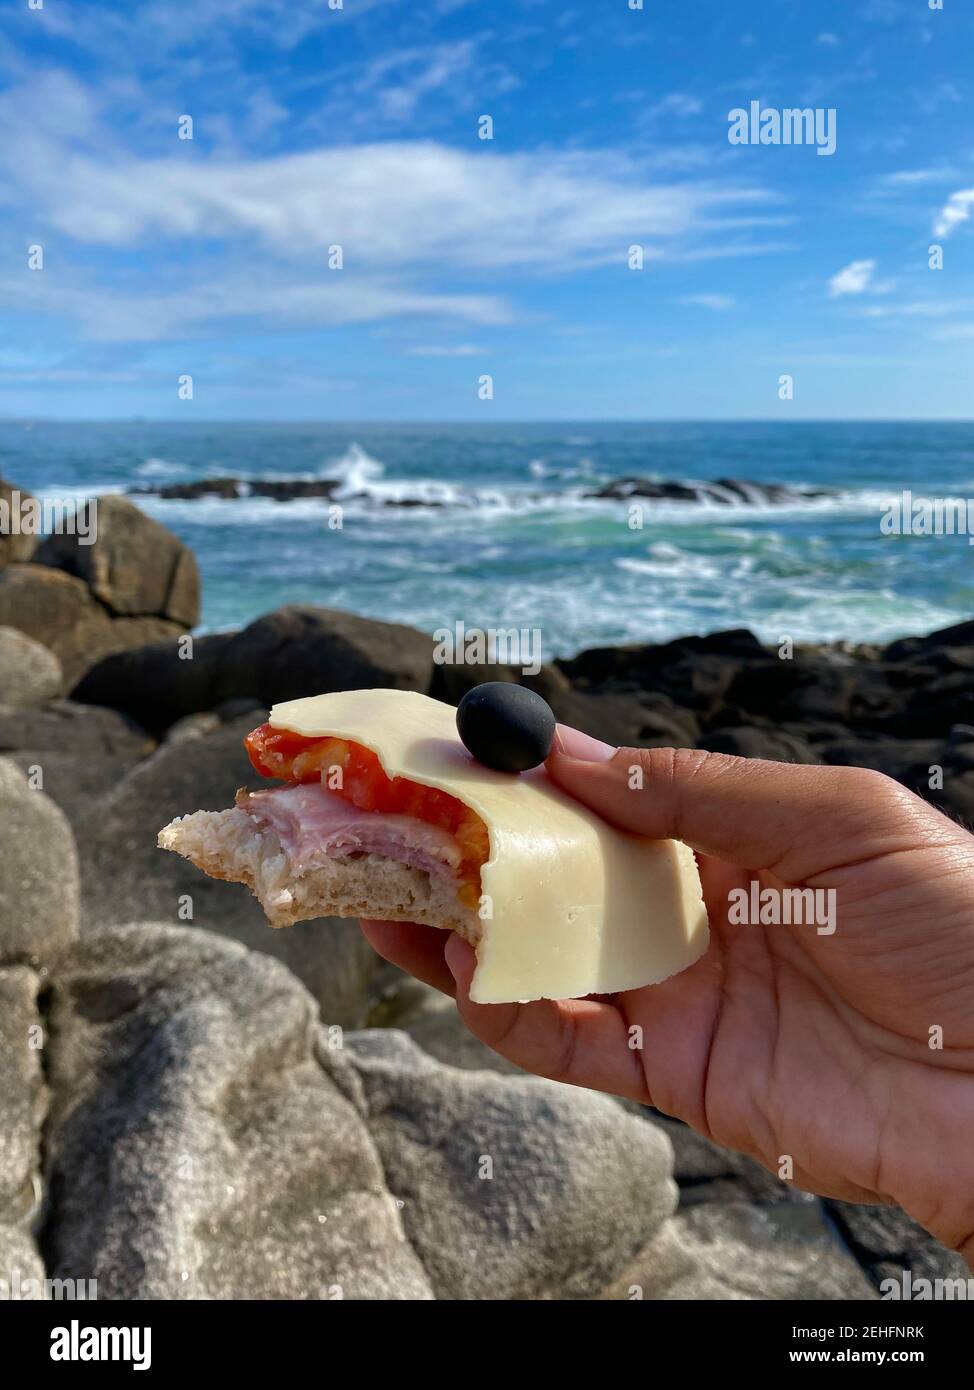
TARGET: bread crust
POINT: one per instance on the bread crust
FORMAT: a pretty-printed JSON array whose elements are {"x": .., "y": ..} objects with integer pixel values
[{"x": 230, "y": 845}]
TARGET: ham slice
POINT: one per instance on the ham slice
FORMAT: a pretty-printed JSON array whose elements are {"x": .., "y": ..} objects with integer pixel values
[{"x": 314, "y": 824}]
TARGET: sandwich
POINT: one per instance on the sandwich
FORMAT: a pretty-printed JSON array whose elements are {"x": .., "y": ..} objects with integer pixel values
[{"x": 383, "y": 813}]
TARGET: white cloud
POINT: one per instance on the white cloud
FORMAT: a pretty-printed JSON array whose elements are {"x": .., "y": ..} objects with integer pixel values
[
  {"x": 424, "y": 228},
  {"x": 710, "y": 301},
  {"x": 828, "y": 40},
  {"x": 674, "y": 104},
  {"x": 910, "y": 177},
  {"x": 187, "y": 308},
  {"x": 852, "y": 279},
  {"x": 956, "y": 211},
  {"x": 446, "y": 350}
]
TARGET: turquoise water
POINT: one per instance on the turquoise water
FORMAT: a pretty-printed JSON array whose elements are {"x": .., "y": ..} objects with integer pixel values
[{"x": 516, "y": 545}]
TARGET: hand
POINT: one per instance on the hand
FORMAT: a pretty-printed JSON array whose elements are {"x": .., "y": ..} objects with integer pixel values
[{"x": 780, "y": 1042}]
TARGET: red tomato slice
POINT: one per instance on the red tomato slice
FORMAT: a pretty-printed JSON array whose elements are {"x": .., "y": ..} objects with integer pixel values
[{"x": 363, "y": 781}]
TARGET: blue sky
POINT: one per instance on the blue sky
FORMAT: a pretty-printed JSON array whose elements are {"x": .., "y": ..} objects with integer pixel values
[{"x": 359, "y": 127}]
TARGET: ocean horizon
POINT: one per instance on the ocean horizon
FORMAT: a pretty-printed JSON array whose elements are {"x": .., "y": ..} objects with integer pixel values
[{"x": 494, "y": 525}]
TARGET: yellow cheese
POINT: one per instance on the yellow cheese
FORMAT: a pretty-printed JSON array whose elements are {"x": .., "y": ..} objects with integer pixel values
[{"x": 571, "y": 905}]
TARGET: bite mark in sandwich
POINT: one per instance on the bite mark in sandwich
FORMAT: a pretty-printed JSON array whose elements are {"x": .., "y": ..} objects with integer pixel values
[{"x": 385, "y": 814}]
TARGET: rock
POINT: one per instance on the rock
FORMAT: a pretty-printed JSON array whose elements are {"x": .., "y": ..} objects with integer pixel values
[
  {"x": 160, "y": 683},
  {"x": 935, "y": 707},
  {"x": 79, "y": 751},
  {"x": 135, "y": 566},
  {"x": 30, "y": 673},
  {"x": 725, "y": 492},
  {"x": 279, "y": 489},
  {"x": 23, "y": 1101},
  {"x": 575, "y": 1187},
  {"x": 289, "y": 653},
  {"x": 759, "y": 743},
  {"x": 16, "y": 546},
  {"x": 739, "y": 1251},
  {"x": 693, "y": 673},
  {"x": 204, "y": 1141},
  {"x": 440, "y": 1032},
  {"x": 705, "y": 1172},
  {"x": 59, "y": 610},
  {"x": 644, "y": 720},
  {"x": 887, "y": 1241},
  {"x": 451, "y": 682},
  {"x": 39, "y": 885},
  {"x": 81, "y": 730},
  {"x": 637, "y": 719},
  {"x": 908, "y": 648},
  {"x": 299, "y": 651}
]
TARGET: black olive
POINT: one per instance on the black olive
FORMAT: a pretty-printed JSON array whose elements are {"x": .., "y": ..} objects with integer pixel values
[{"x": 506, "y": 726}]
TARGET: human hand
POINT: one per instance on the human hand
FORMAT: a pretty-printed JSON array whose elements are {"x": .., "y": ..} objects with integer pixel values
[{"x": 781, "y": 1042}]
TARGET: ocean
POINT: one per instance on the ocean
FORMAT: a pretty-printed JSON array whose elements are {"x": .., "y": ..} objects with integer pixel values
[{"x": 515, "y": 543}]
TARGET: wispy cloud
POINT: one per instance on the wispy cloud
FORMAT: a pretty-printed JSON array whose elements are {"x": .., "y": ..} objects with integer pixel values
[
  {"x": 710, "y": 301},
  {"x": 852, "y": 279},
  {"x": 445, "y": 350},
  {"x": 956, "y": 211},
  {"x": 410, "y": 216}
]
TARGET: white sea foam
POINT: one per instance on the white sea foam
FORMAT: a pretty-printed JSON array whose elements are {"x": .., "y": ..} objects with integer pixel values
[{"x": 160, "y": 468}]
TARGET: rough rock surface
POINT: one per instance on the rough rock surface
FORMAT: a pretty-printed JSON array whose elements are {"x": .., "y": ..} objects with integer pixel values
[
  {"x": 38, "y": 918},
  {"x": 30, "y": 673},
  {"x": 15, "y": 545},
  {"x": 39, "y": 876},
  {"x": 208, "y": 1139},
  {"x": 60, "y": 611},
  {"x": 134, "y": 565},
  {"x": 197, "y": 1146},
  {"x": 513, "y": 1188},
  {"x": 281, "y": 656}
]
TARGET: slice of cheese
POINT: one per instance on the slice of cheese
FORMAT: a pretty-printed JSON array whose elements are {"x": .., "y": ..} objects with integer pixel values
[{"x": 571, "y": 906}]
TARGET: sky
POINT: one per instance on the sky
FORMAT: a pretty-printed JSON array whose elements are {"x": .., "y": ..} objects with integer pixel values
[{"x": 315, "y": 126}]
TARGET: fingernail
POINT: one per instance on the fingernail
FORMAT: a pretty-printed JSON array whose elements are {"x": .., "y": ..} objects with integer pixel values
[{"x": 572, "y": 743}]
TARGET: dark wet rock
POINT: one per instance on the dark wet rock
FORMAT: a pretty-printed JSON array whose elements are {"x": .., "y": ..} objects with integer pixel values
[
  {"x": 946, "y": 639},
  {"x": 886, "y": 1242},
  {"x": 289, "y": 653},
  {"x": 134, "y": 565},
  {"x": 451, "y": 681},
  {"x": 230, "y": 489},
  {"x": 726, "y": 492},
  {"x": 760, "y": 743}
]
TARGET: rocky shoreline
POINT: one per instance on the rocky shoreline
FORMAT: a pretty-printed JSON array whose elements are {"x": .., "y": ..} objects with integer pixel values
[
  {"x": 725, "y": 492},
  {"x": 250, "y": 1154}
]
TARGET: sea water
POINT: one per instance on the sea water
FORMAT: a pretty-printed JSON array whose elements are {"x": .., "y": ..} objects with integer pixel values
[{"x": 501, "y": 534}]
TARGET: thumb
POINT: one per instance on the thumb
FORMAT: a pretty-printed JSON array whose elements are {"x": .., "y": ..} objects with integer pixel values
[{"x": 793, "y": 820}]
